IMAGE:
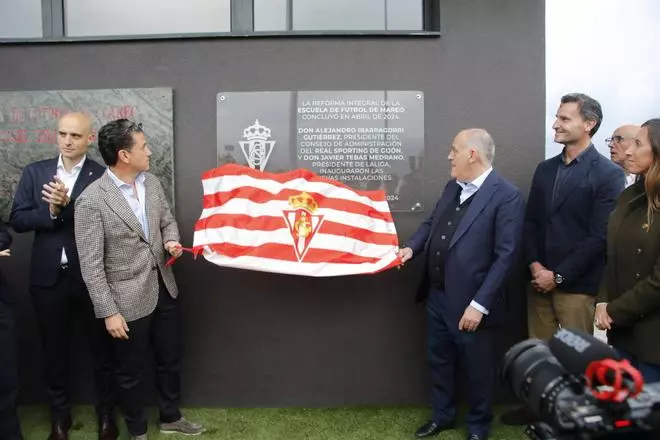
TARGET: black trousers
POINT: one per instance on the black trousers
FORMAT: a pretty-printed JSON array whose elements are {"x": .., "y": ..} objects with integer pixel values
[
  {"x": 161, "y": 329},
  {"x": 9, "y": 427},
  {"x": 471, "y": 353},
  {"x": 56, "y": 308}
]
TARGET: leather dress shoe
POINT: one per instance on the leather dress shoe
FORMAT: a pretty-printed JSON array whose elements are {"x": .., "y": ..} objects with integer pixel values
[
  {"x": 108, "y": 427},
  {"x": 476, "y": 437},
  {"x": 432, "y": 428},
  {"x": 59, "y": 430}
]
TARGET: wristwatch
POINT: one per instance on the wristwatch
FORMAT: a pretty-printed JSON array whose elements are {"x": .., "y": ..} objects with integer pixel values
[{"x": 558, "y": 278}]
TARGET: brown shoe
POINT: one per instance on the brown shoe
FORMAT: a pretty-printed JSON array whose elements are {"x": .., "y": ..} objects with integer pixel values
[
  {"x": 108, "y": 427},
  {"x": 59, "y": 429}
]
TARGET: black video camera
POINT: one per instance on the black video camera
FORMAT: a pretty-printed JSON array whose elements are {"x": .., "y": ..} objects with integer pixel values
[{"x": 551, "y": 380}]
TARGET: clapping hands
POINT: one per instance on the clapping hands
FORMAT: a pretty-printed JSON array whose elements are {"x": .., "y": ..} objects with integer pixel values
[{"x": 55, "y": 194}]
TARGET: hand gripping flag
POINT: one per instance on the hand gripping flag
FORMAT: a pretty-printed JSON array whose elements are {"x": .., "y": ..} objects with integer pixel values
[{"x": 294, "y": 223}]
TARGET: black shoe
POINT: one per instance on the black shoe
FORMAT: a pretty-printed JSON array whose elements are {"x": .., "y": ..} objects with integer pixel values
[
  {"x": 432, "y": 428},
  {"x": 477, "y": 437},
  {"x": 108, "y": 427},
  {"x": 59, "y": 429},
  {"x": 518, "y": 417}
]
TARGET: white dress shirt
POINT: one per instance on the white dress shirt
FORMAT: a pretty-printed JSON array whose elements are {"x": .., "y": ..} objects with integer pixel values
[
  {"x": 630, "y": 179},
  {"x": 69, "y": 179},
  {"x": 467, "y": 190},
  {"x": 135, "y": 199}
]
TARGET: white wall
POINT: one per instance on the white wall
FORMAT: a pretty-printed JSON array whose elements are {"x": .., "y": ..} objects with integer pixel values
[
  {"x": 339, "y": 15},
  {"x": 143, "y": 17},
  {"x": 608, "y": 49},
  {"x": 20, "y": 19}
]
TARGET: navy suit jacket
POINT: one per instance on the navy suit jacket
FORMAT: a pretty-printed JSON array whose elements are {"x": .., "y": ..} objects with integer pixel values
[
  {"x": 30, "y": 213},
  {"x": 569, "y": 236},
  {"x": 482, "y": 251}
]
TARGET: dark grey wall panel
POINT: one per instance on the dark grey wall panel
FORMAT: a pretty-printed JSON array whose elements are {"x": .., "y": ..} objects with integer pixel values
[{"x": 257, "y": 339}]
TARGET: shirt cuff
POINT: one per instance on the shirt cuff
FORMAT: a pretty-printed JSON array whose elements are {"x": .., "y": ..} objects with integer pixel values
[{"x": 479, "y": 307}]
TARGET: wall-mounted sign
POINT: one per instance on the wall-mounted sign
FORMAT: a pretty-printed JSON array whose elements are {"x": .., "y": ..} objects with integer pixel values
[
  {"x": 28, "y": 128},
  {"x": 365, "y": 139}
]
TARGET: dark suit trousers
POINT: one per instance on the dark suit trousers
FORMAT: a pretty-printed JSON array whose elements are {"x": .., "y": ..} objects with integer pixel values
[
  {"x": 161, "y": 329},
  {"x": 451, "y": 351},
  {"x": 56, "y": 308},
  {"x": 9, "y": 428}
]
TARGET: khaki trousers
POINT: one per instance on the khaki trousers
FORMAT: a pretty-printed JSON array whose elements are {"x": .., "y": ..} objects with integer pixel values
[{"x": 546, "y": 312}]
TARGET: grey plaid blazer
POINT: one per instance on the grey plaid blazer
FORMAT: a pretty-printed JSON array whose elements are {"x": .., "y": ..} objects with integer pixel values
[{"x": 118, "y": 263}]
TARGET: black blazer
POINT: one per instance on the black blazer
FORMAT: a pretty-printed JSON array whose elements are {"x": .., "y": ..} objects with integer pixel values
[
  {"x": 30, "y": 213},
  {"x": 568, "y": 236},
  {"x": 5, "y": 241}
]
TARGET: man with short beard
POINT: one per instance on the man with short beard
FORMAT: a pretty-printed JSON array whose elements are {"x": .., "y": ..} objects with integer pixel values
[{"x": 569, "y": 203}]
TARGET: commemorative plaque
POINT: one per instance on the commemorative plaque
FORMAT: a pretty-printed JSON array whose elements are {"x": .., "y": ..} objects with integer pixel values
[{"x": 365, "y": 139}]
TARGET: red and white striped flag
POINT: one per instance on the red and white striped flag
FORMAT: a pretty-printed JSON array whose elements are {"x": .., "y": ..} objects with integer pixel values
[{"x": 295, "y": 223}]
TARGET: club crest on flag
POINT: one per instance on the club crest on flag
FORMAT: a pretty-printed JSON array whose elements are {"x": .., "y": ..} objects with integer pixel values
[
  {"x": 302, "y": 222},
  {"x": 257, "y": 148},
  {"x": 294, "y": 223}
]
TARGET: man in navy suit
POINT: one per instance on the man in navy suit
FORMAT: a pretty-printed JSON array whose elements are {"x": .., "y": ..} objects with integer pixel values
[
  {"x": 9, "y": 427},
  {"x": 44, "y": 203},
  {"x": 469, "y": 243},
  {"x": 569, "y": 204}
]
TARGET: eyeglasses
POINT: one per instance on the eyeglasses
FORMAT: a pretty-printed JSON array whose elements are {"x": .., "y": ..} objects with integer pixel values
[{"x": 617, "y": 139}]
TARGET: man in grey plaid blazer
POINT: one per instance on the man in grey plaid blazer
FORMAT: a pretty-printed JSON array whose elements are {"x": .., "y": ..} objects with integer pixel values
[{"x": 124, "y": 233}]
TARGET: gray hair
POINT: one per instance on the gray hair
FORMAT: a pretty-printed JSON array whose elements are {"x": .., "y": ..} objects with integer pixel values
[
  {"x": 589, "y": 108},
  {"x": 482, "y": 141}
]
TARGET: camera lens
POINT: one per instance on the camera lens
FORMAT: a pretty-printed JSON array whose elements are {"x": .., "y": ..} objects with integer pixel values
[
  {"x": 534, "y": 376},
  {"x": 564, "y": 407}
]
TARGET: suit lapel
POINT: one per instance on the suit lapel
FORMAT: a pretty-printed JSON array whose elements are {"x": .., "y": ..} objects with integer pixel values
[
  {"x": 635, "y": 199},
  {"x": 116, "y": 201},
  {"x": 85, "y": 176},
  {"x": 52, "y": 168},
  {"x": 550, "y": 174},
  {"x": 481, "y": 198},
  {"x": 151, "y": 210},
  {"x": 580, "y": 170}
]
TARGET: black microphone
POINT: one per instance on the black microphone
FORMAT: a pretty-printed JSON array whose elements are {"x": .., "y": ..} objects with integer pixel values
[{"x": 575, "y": 350}]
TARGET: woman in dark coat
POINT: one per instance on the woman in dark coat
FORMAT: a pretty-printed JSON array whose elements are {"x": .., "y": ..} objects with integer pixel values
[{"x": 628, "y": 304}]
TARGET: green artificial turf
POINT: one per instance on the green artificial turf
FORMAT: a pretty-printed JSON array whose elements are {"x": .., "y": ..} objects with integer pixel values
[{"x": 389, "y": 423}]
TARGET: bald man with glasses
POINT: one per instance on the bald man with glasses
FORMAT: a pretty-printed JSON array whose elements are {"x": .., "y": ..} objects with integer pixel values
[{"x": 621, "y": 140}]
